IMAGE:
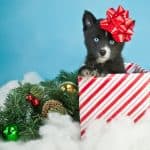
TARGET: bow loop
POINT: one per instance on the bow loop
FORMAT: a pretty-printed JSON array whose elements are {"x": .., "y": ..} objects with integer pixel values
[
  {"x": 120, "y": 9},
  {"x": 110, "y": 13}
]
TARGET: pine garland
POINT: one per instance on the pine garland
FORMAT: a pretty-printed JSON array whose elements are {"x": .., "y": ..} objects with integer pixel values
[{"x": 17, "y": 110}]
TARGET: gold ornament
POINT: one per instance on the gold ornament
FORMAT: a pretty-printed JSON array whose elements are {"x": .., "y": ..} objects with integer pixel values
[
  {"x": 53, "y": 106},
  {"x": 68, "y": 86}
]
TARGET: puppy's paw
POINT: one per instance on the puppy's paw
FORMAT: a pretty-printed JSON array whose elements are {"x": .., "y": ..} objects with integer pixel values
[
  {"x": 95, "y": 73},
  {"x": 85, "y": 72}
]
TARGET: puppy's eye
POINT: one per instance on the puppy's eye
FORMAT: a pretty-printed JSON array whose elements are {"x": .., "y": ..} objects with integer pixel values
[
  {"x": 96, "y": 40},
  {"x": 111, "y": 42}
]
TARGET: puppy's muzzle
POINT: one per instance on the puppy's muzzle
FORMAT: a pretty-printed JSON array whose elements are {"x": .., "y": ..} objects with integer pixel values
[{"x": 102, "y": 52}]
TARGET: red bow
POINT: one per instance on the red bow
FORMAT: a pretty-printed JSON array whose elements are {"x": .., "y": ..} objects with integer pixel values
[{"x": 118, "y": 24}]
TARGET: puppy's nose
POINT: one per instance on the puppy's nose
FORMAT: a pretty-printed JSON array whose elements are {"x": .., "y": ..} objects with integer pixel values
[{"x": 102, "y": 52}]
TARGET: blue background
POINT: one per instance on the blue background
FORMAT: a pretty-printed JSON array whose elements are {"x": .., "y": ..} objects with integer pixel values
[{"x": 45, "y": 36}]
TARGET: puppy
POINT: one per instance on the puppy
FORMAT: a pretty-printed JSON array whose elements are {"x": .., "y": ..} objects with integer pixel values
[{"x": 103, "y": 53}]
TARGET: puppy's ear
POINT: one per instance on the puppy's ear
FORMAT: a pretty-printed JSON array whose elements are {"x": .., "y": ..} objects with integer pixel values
[{"x": 88, "y": 20}]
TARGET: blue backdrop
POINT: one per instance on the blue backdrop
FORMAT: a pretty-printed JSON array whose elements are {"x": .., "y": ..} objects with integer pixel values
[{"x": 45, "y": 36}]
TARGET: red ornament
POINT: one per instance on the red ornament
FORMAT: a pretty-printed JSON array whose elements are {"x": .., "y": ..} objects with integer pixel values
[
  {"x": 35, "y": 102},
  {"x": 118, "y": 24},
  {"x": 29, "y": 97}
]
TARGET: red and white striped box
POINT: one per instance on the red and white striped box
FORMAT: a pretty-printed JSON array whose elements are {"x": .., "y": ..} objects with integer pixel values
[{"x": 114, "y": 96}]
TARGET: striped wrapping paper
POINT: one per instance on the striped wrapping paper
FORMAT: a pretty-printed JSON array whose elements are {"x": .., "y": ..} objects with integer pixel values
[{"x": 114, "y": 96}]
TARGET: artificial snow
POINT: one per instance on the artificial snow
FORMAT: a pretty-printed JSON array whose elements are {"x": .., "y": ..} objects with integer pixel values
[
  {"x": 61, "y": 133},
  {"x": 4, "y": 90},
  {"x": 32, "y": 77}
]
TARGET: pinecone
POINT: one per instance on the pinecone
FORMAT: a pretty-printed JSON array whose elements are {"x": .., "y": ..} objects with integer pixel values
[{"x": 53, "y": 106}]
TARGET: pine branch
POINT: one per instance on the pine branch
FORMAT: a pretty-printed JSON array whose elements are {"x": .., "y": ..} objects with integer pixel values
[{"x": 19, "y": 111}]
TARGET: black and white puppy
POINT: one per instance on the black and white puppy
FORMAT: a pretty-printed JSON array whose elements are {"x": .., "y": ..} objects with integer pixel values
[{"x": 103, "y": 53}]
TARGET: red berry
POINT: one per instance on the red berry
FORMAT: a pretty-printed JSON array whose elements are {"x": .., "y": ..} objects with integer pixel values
[
  {"x": 29, "y": 98},
  {"x": 35, "y": 102}
]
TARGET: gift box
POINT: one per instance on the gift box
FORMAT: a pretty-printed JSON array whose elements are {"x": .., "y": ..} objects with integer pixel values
[{"x": 113, "y": 96}]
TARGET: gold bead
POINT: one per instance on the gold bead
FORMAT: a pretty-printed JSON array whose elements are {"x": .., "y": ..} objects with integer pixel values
[{"x": 63, "y": 88}]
